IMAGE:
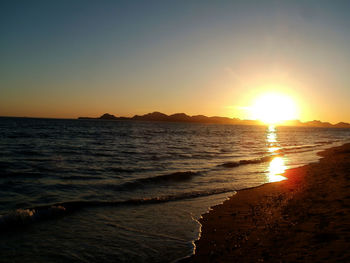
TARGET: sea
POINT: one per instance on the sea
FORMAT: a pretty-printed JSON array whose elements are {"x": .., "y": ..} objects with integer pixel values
[{"x": 129, "y": 191}]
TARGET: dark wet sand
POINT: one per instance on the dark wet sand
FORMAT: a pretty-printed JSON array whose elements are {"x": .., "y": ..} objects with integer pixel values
[{"x": 303, "y": 219}]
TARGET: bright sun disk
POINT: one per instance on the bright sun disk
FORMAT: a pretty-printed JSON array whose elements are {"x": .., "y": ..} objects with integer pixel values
[{"x": 273, "y": 108}]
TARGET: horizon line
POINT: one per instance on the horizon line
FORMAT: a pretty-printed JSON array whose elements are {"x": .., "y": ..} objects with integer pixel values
[{"x": 130, "y": 117}]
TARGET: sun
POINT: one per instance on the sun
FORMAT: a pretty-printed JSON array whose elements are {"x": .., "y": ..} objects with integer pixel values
[{"x": 274, "y": 108}]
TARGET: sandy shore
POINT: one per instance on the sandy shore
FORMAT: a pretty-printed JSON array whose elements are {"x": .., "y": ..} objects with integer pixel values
[{"x": 303, "y": 219}]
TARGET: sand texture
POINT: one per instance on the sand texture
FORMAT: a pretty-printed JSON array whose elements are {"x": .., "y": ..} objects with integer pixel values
[{"x": 303, "y": 219}]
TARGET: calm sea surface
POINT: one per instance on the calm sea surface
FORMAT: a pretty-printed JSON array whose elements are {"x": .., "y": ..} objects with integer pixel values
[{"x": 110, "y": 191}]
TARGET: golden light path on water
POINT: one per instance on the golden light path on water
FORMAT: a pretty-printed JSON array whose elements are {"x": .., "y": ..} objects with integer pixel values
[
  {"x": 276, "y": 168},
  {"x": 277, "y": 165}
]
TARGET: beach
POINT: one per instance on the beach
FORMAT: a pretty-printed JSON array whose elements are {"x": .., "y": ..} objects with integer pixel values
[{"x": 302, "y": 219}]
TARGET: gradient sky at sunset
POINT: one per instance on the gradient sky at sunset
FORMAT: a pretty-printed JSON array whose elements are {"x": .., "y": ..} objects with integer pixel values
[{"x": 84, "y": 58}]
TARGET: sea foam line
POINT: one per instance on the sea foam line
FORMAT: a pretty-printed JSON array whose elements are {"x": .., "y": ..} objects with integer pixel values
[{"x": 24, "y": 217}]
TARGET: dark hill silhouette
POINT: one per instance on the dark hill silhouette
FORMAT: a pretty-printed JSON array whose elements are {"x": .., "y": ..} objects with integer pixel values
[
  {"x": 108, "y": 116},
  {"x": 179, "y": 117},
  {"x": 317, "y": 123},
  {"x": 342, "y": 125},
  {"x": 182, "y": 117},
  {"x": 154, "y": 116}
]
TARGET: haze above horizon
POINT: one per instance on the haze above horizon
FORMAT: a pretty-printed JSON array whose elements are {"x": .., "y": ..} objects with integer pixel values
[{"x": 68, "y": 59}]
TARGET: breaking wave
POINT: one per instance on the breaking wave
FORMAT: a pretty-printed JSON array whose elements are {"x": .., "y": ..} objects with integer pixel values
[
  {"x": 299, "y": 148},
  {"x": 250, "y": 161},
  {"x": 24, "y": 217},
  {"x": 177, "y": 176},
  {"x": 159, "y": 179}
]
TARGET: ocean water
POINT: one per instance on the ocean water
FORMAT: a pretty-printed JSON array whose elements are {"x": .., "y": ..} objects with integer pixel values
[{"x": 120, "y": 191}]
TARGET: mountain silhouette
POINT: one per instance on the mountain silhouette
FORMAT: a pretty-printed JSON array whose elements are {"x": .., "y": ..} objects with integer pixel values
[{"x": 183, "y": 117}]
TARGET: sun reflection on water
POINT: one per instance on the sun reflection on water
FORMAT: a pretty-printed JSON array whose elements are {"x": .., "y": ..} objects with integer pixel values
[
  {"x": 276, "y": 168},
  {"x": 271, "y": 139},
  {"x": 277, "y": 165},
  {"x": 273, "y": 149},
  {"x": 271, "y": 134}
]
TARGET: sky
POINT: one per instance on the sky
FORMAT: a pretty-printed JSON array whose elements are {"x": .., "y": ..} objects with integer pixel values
[{"x": 66, "y": 59}]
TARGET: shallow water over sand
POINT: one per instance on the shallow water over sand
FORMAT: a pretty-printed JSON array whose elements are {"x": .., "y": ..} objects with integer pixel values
[{"x": 88, "y": 190}]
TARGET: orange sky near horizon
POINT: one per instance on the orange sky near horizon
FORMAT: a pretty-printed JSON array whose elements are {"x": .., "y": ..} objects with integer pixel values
[{"x": 226, "y": 94}]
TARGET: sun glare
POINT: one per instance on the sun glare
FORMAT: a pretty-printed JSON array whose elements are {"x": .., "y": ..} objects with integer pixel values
[{"x": 274, "y": 108}]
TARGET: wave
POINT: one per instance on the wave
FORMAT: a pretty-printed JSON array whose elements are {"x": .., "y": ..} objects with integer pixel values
[
  {"x": 249, "y": 161},
  {"x": 28, "y": 152},
  {"x": 24, "y": 217},
  {"x": 7, "y": 174},
  {"x": 326, "y": 142},
  {"x": 119, "y": 170},
  {"x": 279, "y": 152},
  {"x": 159, "y": 179},
  {"x": 177, "y": 176},
  {"x": 295, "y": 149},
  {"x": 17, "y": 135},
  {"x": 80, "y": 177}
]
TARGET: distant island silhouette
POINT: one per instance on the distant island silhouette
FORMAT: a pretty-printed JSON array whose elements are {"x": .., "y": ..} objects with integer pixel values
[{"x": 182, "y": 117}]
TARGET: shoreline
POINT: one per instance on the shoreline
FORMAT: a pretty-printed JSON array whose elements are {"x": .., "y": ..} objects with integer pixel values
[{"x": 301, "y": 219}]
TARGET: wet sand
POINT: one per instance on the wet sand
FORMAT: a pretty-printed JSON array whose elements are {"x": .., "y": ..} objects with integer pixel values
[{"x": 303, "y": 219}]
